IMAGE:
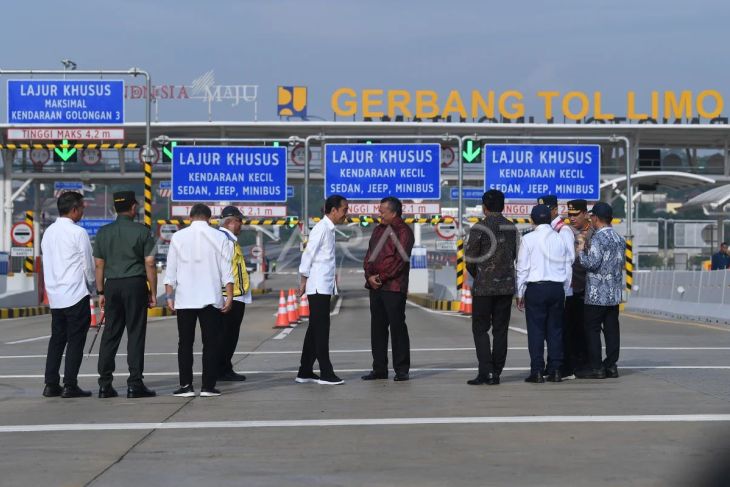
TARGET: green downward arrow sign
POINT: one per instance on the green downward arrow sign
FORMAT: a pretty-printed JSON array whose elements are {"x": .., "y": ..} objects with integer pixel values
[
  {"x": 65, "y": 153},
  {"x": 168, "y": 152},
  {"x": 471, "y": 153}
]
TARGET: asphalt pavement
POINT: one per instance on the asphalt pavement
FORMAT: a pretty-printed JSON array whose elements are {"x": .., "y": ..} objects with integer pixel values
[{"x": 664, "y": 421}]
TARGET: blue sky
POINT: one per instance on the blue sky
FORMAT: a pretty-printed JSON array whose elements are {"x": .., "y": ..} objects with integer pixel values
[{"x": 610, "y": 47}]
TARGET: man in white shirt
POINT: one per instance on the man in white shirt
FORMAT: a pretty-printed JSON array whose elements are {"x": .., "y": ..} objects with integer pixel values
[
  {"x": 230, "y": 224},
  {"x": 566, "y": 233},
  {"x": 68, "y": 272},
  {"x": 317, "y": 270},
  {"x": 198, "y": 265},
  {"x": 543, "y": 276}
]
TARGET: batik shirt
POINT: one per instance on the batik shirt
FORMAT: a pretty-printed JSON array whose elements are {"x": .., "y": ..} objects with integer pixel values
[{"x": 604, "y": 262}]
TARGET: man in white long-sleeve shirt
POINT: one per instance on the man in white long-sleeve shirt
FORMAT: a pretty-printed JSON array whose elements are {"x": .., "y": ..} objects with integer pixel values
[
  {"x": 198, "y": 265},
  {"x": 317, "y": 270},
  {"x": 568, "y": 237},
  {"x": 68, "y": 272},
  {"x": 543, "y": 276}
]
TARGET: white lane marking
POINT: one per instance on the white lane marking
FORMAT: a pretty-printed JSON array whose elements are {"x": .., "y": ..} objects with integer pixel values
[
  {"x": 298, "y": 423},
  {"x": 364, "y": 350},
  {"x": 283, "y": 334},
  {"x": 425, "y": 369},
  {"x": 454, "y": 314},
  {"x": 26, "y": 340},
  {"x": 338, "y": 305}
]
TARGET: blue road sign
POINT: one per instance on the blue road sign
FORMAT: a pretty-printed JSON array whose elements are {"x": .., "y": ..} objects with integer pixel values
[
  {"x": 228, "y": 173},
  {"x": 373, "y": 171},
  {"x": 527, "y": 172},
  {"x": 68, "y": 186},
  {"x": 468, "y": 193},
  {"x": 165, "y": 184},
  {"x": 92, "y": 225},
  {"x": 290, "y": 191},
  {"x": 84, "y": 102}
]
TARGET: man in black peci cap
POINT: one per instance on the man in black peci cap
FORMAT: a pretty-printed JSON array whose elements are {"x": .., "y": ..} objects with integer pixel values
[
  {"x": 543, "y": 277},
  {"x": 604, "y": 263},
  {"x": 230, "y": 224},
  {"x": 126, "y": 281},
  {"x": 568, "y": 238}
]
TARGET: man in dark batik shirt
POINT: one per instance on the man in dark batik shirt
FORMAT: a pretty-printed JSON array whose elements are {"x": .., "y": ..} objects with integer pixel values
[
  {"x": 387, "y": 265},
  {"x": 491, "y": 251}
]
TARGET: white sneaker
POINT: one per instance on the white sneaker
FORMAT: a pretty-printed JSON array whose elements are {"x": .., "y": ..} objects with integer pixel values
[
  {"x": 185, "y": 391},
  {"x": 331, "y": 381},
  {"x": 569, "y": 377},
  {"x": 306, "y": 379},
  {"x": 209, "y": 392}
]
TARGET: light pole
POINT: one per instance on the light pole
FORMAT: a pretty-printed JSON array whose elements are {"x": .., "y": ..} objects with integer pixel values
[{"x": 68, "y": 64}]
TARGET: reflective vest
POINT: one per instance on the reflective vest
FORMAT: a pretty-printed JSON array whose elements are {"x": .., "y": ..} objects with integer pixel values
[{"x": 240, "y": 274}]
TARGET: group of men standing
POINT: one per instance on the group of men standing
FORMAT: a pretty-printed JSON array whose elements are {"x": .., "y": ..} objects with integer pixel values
[
  {"x": 567, "y": 279},
  {"x": 203, "y": 264}
]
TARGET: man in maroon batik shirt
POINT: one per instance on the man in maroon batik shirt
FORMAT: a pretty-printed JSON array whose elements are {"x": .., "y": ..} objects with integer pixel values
[{"x": 387, "y": 264}]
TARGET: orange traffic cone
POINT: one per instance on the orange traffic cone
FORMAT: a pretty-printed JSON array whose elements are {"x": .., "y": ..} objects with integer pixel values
[
  {"x": 93, "y": 313},
  {"x": 290, "y": 310},
  {"x": 281, "y": 317},
  {"x": 462, "y": 301},
  {"x": 468, "y": 301},
  {"x": 295, "y": 302},
  {"x": 305, "y": 307}
]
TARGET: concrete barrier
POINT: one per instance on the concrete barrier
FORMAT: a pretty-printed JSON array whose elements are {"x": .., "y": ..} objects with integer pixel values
[{"x": 696, "y": 295}]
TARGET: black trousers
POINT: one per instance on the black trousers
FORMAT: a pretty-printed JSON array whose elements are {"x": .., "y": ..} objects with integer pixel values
[
  {"x": 210, "y": 329},
  {"x": 229, "y": 337},
  {"x": 317, "y": 339},
  {"x": 575, "y": 350},
  {"x": 126, "y": 308},
  {"x": 388, "y": 310},
  {"x": 491, "y": 312},
  {"x": 595, "y": 317},
  {"x": 544, "y": 303},
  {"x": 69, "y": 327}
]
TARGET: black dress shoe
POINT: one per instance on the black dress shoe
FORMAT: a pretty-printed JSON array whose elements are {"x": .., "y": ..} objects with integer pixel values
[
  {"x": 612, "y": 372},
  {"x": 140, "y": 391},
  {"x": 372, "y": 375},
  {"x": 231, "y": 376},
  {"x": 477, "y": 381},
  {"x": 493, "y": 379},
  {"x": 591, "y": 374},
  {"x": 52, "y": 390},
  {"x": 555, "y": 376},
  {"x": 74, "y": 391},
  {"x": 535, "y": 378},
  {"x": 106, "y": 392},
  {"x": 401, "y": 377}
]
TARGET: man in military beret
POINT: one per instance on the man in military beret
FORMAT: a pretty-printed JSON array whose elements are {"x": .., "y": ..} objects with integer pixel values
[
  {"x": 574, "y": 340},
  {"x": 126, "y": 280}
]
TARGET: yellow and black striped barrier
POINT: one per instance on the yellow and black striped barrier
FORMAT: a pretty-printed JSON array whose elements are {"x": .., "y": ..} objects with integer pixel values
[
  {"x": 409, "y": 220},
  {"x": 110, "y": 145},
  {"x": 629, "y": 265},
  {"x": 148, "y": 194},
  {"x": 28, "y": 261},
  {"x": 255, "y": 221},
  {"x": 460, "y": 264},
  {"x": 435, "y": 304},
  {"x": 6, "y": 313}
]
